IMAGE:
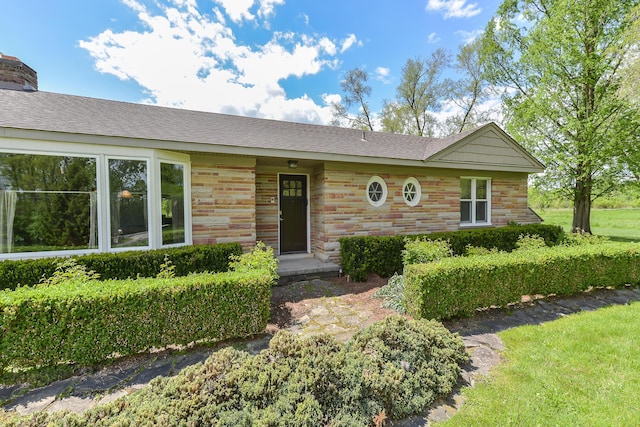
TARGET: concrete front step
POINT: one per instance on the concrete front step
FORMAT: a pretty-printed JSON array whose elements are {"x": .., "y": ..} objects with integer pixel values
[{"x": 296, "y": 268}]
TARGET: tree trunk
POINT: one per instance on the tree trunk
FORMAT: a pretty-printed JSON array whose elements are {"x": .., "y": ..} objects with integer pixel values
[{"x": 582, "y": 207}]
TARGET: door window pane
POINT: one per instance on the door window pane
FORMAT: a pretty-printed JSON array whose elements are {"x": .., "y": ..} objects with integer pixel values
[
  {"x": 128, "y": 203},
  {"x": 47, "y": 203},
  {"x": 172, "y": 189}
]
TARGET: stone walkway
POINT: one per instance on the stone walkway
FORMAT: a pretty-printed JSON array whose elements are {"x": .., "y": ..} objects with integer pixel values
[{"x": 328, "y": 315}]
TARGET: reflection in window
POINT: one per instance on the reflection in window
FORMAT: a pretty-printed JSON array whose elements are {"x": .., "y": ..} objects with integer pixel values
[
  {"x": 292, "y": 188},
  {"x": 128, "y": 203},
  {"x": 47, "y": 203},
  {"x": 474, "y": 201},
  {"x": 172, "y": 189}
]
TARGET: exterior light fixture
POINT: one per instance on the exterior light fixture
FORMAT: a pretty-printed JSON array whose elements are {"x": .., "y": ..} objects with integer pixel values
[{"x": 292, "y": 164}]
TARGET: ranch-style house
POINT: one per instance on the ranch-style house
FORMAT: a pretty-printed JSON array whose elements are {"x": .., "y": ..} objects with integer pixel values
[{"x": 82, "y": 175}]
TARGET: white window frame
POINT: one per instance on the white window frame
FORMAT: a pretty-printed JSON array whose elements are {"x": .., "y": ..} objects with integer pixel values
[
  {"x": 102, "y": 154},
  {"x": 157, "y": 210},
  {"x": 383, "y": 187},
  {"x": 150, "y": 201},
  {"x": 474, "y": 201},
  {"x": 418, "y": 191}
]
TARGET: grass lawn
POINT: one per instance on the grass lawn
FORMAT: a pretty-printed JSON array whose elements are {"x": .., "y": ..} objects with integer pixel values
[
  {"x": 582, "y": 370},
  {"x": 619, "y": 224}
]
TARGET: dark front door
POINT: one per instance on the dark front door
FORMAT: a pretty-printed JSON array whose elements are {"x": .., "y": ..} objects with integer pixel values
[{"x": 293, "y": 213}]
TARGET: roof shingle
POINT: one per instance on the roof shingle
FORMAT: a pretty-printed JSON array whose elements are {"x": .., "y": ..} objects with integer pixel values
[{"x": 52, "y": 112}]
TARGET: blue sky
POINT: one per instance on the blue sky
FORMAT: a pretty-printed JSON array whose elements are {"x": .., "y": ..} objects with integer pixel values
[{"x": 280, "y": 59}]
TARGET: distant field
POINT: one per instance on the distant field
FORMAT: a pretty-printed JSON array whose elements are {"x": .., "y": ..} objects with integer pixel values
[{"x": 618, "y": 224}]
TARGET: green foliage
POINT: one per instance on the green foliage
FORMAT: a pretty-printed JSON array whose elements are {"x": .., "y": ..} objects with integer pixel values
[
  {"x": 167, "y": 269},
  {"x": 398, "y": 365},
  {"x": 527, "y": 242},
  {"x": 458, "y": 286},
  {"x": 565, "y": 65},
  {"x": 581, "y": 239},
  {"x": 70, "y": 271},
  {"x": 260, "y": 257},
  {"x": 382, "y": 255},
  {"x": 423, "y": 250},
  {"x": 479, "y": 251},
  {"x": 122, "y": 265},
  {"x": 392, "y": 294},
  {"x": 88, "y": 322}
]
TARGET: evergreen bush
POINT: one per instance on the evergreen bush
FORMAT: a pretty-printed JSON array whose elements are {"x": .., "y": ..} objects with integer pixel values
[{"x": 397, "y": 367}]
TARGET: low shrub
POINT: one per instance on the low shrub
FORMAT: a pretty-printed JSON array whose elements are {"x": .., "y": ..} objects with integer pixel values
[
  {"x": 392, "y": 294},
  {"x": 261, "y": 257},
  {"x": 526, "y": 242},
  {"x": 581, "y": 239},
  {"x": 123, "y": 265},
  {"x": 421, "y": 250},
  {"x": 395, "y": 368},
  {"x": 88, "y": 321},
  {"x": 479, "y": 251},
  {"x": 458, "y": 286},
  {"x": 382, "y": 255}
]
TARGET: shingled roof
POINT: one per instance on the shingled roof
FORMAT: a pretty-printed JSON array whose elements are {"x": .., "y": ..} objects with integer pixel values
[{"x": 186, "y": 130}]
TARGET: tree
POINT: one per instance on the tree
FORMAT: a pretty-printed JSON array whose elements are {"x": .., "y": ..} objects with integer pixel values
[
  {"x": 397, "y": 118},
  {"x": 631, "y": 66},
  {"x": 356, "y": 93},
  {"x": 560, "y": 62},
  {"x": 470, "y": 93},
  {"x": 421, "y": 90}
]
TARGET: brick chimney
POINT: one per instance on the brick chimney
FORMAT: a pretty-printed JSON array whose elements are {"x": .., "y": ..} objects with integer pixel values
[{"x": 16, "y": 75}]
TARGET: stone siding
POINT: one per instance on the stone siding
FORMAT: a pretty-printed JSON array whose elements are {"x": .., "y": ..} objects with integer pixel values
[
  {"x": 267, "y": 217},
  {"x": 509, "y": 201},
  {"x": 342, "y": 208},
  {"x": 223, "y": 202}
]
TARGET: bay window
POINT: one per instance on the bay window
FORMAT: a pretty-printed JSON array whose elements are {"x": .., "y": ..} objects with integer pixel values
[
  {"x": 128, "y": 203},
  {"x": 63, "y": 203},
  {"x": 172, "y": 203}
]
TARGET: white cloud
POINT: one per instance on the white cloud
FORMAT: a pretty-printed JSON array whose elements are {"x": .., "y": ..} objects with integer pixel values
[
  {"x": 185, "y": 59},
  {"x": 469, "y": 36},
  {"x": 454, "y": 8},
  {"x": 331, "y": 98},
  {"x": 349, "y": 42},
  {"x": 238, "y": 9},
  {"x": 267, "y": 7},
  {"x": 382, "y": 74},
  {"x": 433, "y": 38}
]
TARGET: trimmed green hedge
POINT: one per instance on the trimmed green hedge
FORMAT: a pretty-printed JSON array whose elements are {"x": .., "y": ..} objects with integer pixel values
[
  {"x": 382, "y": 255},
  {"x": 85, "y": 323},
  {"x": 123, "y": 265},
  {"x": 458, "y": 286}
]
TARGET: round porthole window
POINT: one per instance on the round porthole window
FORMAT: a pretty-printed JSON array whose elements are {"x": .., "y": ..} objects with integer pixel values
[
  {"x": 376, "y": 191},
  {"x": 411, "y": 191}
]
